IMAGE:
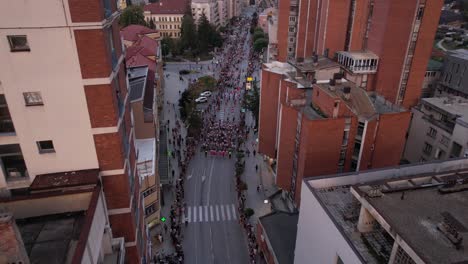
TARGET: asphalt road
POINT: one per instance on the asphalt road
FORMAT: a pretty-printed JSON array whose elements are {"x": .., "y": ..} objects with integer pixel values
[{"x": 213, "y": 233}]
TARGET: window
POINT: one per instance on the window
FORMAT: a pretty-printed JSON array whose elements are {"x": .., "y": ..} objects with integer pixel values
[
  {"x": 440, "y": 154},
  {"x": 420, "y": 13},
  {"x": 45, "y": 146},
  {"x": 33, "y": 98},
  {"x": 456, "y": 150},
  {"x": 149, "y": 191},
  {"x": 151, "y": 209},
  {"x": 18, "y": 43},
  {"x": 432, "y": 132},
  {"x": 292, "y": 19},
  {"x": 427, "y": 148},
  {"x": 291, "y": 29}
]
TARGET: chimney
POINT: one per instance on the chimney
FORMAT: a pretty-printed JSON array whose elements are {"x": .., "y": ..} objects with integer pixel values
[
  {"x": 331, "y": 84},
  {"x": 11, "y": 244},
  {"x": 347, "y": 92}
]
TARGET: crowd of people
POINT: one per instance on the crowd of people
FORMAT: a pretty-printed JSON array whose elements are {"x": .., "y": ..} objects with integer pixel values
[{"x": 222, "y": 134}]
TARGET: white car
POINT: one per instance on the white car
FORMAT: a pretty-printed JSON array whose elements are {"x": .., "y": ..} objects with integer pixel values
[
  {"x": 201, "y": 99},
  {"x": 206, "y": 94}
]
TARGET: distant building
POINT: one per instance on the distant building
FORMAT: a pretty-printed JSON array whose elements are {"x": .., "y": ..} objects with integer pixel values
[
  {"x": 132, "y": 33},
  {"x": 454, "y": 76},
  {"x": 431, "y": 77},
  {"x": 407, "y": 214},
  {"x": 167, "y": 16},
  {"x": 438, "y": 130},
  {"x": 314, "y": 120},
  {"x": 209, "y": 8},
  {"x": 60, "y": 218}
]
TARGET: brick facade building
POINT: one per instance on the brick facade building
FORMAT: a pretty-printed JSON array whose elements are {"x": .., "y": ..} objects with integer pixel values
[{"x": 65, "y": 97}]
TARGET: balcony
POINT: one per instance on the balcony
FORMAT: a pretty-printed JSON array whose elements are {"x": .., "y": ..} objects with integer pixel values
[
  {"x": 6, "y": 124},
  {"x": 12, "y": 162}
]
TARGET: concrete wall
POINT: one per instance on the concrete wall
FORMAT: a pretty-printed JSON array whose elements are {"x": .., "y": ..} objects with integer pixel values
[
  {"x": 64, "y": 117},
  {"x": 455, "y": 74},
  {"x": 96, "y": 233},
  {"x": 318, "y": 239},
  {"x": 142, "y": 129}
]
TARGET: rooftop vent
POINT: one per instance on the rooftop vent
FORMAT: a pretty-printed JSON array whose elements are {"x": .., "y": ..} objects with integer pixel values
[
  {"x": 347, "y": 92},
  {"x": 331, "y": 85}
]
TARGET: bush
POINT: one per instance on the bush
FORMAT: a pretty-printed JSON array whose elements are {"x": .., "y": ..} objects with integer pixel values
[
  {"x": 243, "y": 186},
  {"x": 184, "y": 72},
  {"x": 248, "y": 212},
  {"x": 258, "y": 35},
  {"x": 260, "y": 44}
]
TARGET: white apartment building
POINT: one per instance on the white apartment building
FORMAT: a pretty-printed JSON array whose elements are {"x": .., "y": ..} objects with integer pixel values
[
  {"x": 222, "y": 12},
  {"x": 408, "y": 214},
  {"x": 209, "y": 8},
  {"x": 439, "y": 130}
]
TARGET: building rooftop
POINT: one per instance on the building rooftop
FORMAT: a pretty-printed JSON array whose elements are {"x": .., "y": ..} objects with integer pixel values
[
  {"x": 65, "y": 179},
  {"x": 411, "y": 202},
  {"x": 434, "y": 65},
  {"x": 281, "y": 229},
  {"x": 310, "y": 64},
  {"x": 278, "y": 67},
  {"x": 146, "y": 149},
  {"x": 459, "y": 53},
  {"x": 455, "y": 106},
  {"x": 134, "y": 32},
  {"x": 165, "y": 7},
  {"x": 51, "y": 239}
]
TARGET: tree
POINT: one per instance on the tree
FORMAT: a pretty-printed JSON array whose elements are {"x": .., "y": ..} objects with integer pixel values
[
  {"x": 252, "y": 102},
  {"x": 188, "y": 32},
  {"x": 151, "y": 24},
  {"x": 132, "y": 15},
  {"x": 167, "y": 44},
  {"x": 260, "y": 44},
  {"x": 205, "y": 32},
  {"x": 258, "y": 35}
]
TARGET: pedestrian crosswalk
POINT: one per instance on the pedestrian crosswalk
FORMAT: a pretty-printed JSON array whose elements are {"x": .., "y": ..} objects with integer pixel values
[{"x": 210, "y": 213}]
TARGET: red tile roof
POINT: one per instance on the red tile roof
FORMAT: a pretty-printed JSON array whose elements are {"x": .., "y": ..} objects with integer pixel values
[
  {"x": 140, "y": 60},
  {"x": 148, "y": 43},
  {"x": 133, "y": 32},
  {"x": 167, "y": 7}
]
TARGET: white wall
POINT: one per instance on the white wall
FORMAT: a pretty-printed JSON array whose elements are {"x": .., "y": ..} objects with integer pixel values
[
  {"x": 318, "y": 240},
  {"x": 96, "y": 233},
  {"x": 52, "y": 68},
  {"x": 27, "y": 13}
]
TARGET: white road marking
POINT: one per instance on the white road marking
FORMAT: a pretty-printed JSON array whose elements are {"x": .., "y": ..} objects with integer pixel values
[
  {"x": 217, "y": 213},
  {"x": 189, "y": 214},
  {"x": 233, "y": 212},
  {"x": 223, "y": 217},
  {"x": 206, "y": 213},
  {"x": 228, "y": 212},
  {"x": 194, "y": 214},
  {"x": 211, "y": 213},
  {"x": 200, "y": 210}
]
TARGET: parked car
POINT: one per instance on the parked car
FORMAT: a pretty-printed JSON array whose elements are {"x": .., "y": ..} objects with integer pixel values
[
  {"x": 183, "y": 72},
  {"x": 201, "y": 99},
  {"x": 206, "y": 94}
]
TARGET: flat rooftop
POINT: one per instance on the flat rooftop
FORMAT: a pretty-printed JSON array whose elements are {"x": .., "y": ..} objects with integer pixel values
[
  {"x": 281, "y": 229},
  {"x": 309, "y": 65},
  {"x": 413, "y": 207},
  {"x": 455, "y": 105},
  {"x": 51, "y": 239}
]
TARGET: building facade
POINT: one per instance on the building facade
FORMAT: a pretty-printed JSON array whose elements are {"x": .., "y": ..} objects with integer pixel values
[
  {"x": 431, "y": 77},
  {"x": 398, "y": 32},
  {"x": 454, "y": 76},
  {"x": 314, "y": 120},
  {"x": 65, "y": 106},
  {"x": 385, "y": 216},
  {"x": 438, "y": 130},
  {"x": 208, "y": 7},
  {"x": 167, "y": 16}
]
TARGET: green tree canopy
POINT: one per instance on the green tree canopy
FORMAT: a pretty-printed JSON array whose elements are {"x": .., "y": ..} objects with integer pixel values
[
  {"x": 132, "y": 15},
  {"x": 188, "y": 32},
  {"x": 204, "y": 33},
  {"x": 258, "y": 35},
  {"x": 260, "y": 44},
  {"x": 167, "y": 45}
]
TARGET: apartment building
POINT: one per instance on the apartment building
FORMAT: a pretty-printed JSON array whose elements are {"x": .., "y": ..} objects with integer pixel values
[
  {"x": 315, "y": 120},
  {"x": 438, "y": 130},
  {"x": 234, "y": 8},
  {"x": 64, "y": 219},
  {"x": 398, "y": 32},
  {"x": 454, "y": 75},
  {"x": 408, "y": 214},
  {"x": 223, "y": 12},
  {"x": 65, "y": 105},
  {"x": 431, "y": 78},
  {"x": 145, "y": 115},
  {"x": 209, "y": 8},
  {"x": 167, "y": 16}
]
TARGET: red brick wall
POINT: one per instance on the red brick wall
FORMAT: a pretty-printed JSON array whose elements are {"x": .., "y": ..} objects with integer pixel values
[
  {"x": 361, "y": 13},
  {"x": 86, "y": 10},
  {"x": 268, "y": 116},
  {"x": 283, "y": 27},
  {"x": 388, "y": 38},
  {"x": 102, "y": 105},
  {"x": 326, "y": 103},
  {"x": 311, "y": 29},
  {"x": 262, "y": 245},
  {"x": 320, "y": 149},
  {"x": 336, "y": 26},
  {"x": 93, "y": 53},
  {"x": 350, "y": 146},
  {"x": 123, "y": 225},
  {"x": 286, "y": 148},
  {"x": 368, "y": 141},
  {"x": 390, "y": 139},
  {"x": 109, "y": 151},
  {"x": 117, "y": 191},
  {"x": 116, "y": 37},
  {"x": 422, "y": 52},
  {"x": 321, "y": 27},
  {"x": 122, "y": 81},
  {"x": 301, "y": 28},
  {"x": 132, "y": 256}
]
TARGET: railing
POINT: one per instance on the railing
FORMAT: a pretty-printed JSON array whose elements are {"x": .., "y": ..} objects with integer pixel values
[{"x": 107, "y": 8}]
